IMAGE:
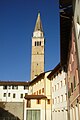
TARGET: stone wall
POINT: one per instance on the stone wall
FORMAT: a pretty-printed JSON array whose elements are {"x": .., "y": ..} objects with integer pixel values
[{"x": 11, "y": 109}]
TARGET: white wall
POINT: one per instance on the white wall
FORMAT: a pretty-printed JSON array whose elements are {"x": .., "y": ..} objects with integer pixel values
[{"x": 17, "y": 92}]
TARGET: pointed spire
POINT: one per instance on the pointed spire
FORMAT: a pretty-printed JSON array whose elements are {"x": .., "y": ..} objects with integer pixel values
[{"x": 38, "y": 26}]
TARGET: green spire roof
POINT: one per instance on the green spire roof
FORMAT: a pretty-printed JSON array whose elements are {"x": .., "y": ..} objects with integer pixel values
[{"x": 38, "y": 25}]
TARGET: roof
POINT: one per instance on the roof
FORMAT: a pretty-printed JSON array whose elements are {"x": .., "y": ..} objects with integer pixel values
[
  {"x": 65, "y": 30},
  {"x": 54, "y": 71},
  {"x": 37, "y": 78},
  {"x": 14, "y": 83},
  {"x": 38, "y": 25},
  {"x": 35, "y": 96},
  {"x": 40, "y": 76},
  {"x": 64, "y": 3}
]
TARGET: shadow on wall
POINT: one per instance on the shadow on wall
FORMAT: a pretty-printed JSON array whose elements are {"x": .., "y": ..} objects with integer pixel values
[{"x": 6, "y": 115}]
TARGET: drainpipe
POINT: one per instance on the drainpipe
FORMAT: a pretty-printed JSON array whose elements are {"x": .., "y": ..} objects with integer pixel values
[{"x": 51, "y": 96}]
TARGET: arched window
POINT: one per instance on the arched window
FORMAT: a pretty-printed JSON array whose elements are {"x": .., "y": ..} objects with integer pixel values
[{"x": 35, "y": 43}]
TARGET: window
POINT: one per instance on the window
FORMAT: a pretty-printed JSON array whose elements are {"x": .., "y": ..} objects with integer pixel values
[
  {"x": 4, "y": 95},
  {"x": 21, "y": 96},
  {"x": 74, "y": 82},
  {"x": 40, "y": 43},
  {"x": 61, "y": 83},
  {"x": 71, "y": 87},
  {"x": 25, "y": 87},
  {"x": 60, "y": 71},
  {"x": 5, "y": 87},
  {"x": 35, "y": 43},
  {"x": 78, "y": 27},
  {"x": 65, "y": 81},
  {"x": 33, "y": 114},
  {"x": 70, "y": 67},
  {"x": 34, "y": 93},
  {"x": 55, "y": 100},
  {"x": 28, "y": 103},
  {"x": 42, "y": 90},
  {"x": 9, "y": 87},
  {"x": 38, "y": 101},
  {"x": 14, "y": 87},
  {"x": 65, "y": 96},
  {"x": 55, "y": 87},
  {"x": 72, "y": 58},
  {"x": 14, "y": 95},
  {"x": 48, "y": 101},
  {"x": 39, "y": 91},
  {"x": 8, "y": 94},
  {"x": 58, "y": 99},
  {"x": 74, "y": 49},
  {"x": 61, "y": 98}
]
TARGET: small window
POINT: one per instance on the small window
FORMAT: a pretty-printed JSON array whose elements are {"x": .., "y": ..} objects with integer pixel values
[
  {"x": 4, "y": 95},
  {"x": 8, "y": 94},
  {"x": 25, "y": 87},
  {"x": 58, "y": 99},
  {"x": 65, "y": 81},
  {"x": 38, "y": 101},
  {"x": 14, "y": 87},
  {"x": 71, "y": 87},
  {"x": 72, "y": 58},
  {"x": 65, "y": 96},
  {"x": 61, "y": 98},
  {"x": 28, "y": 103},
  {"x": 61, "y": 83},
  {"x": 48, "y": 101},
  {"x": 39, "y": 91},
  {"x": 14, "y": 95},
  {"x": 34, "y": 93},
  {"x": 35, "y": 43},
  {"x": 9, "y": 87},
  {"x": 55, "y": 87},
  {"x": 74, "y": 82},
  {"x": 60, "y": 71},
  {"x": 40, "y": 43},
  {"x": 42, "y": 90},
  {"x": 55, "y": 100},
  {"x": 5, "y": 87},
  {"x": 21, "y": 96}
]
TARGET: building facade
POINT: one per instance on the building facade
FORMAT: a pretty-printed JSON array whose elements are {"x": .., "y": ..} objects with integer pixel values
[
  {"x": 38, "y": 101},
  {"x": 59, "y": 93},
  {"x": 13, "y": 91},
  {"x": 74, "y": 65},
  {"x": 37, "y": 56},
  {"x": 12, "y": 98}
]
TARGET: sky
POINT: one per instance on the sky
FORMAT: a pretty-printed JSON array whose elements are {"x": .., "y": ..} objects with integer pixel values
[{"x": 17, "y": 22}]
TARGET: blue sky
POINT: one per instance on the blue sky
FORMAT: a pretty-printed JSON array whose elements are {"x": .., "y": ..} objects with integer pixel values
[{"x": 17, "y": 22}]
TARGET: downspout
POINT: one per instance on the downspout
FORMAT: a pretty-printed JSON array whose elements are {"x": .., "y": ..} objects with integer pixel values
[
  {"x": 51, "y": 96},
  {"x": 45, "y": 94}
]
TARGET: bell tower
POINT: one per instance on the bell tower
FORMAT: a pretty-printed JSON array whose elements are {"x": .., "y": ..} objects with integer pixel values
[{"x": 37, "y": 56}]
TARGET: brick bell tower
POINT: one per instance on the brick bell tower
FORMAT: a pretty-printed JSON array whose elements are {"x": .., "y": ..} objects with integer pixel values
[{"x": 37, "y": 56}]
